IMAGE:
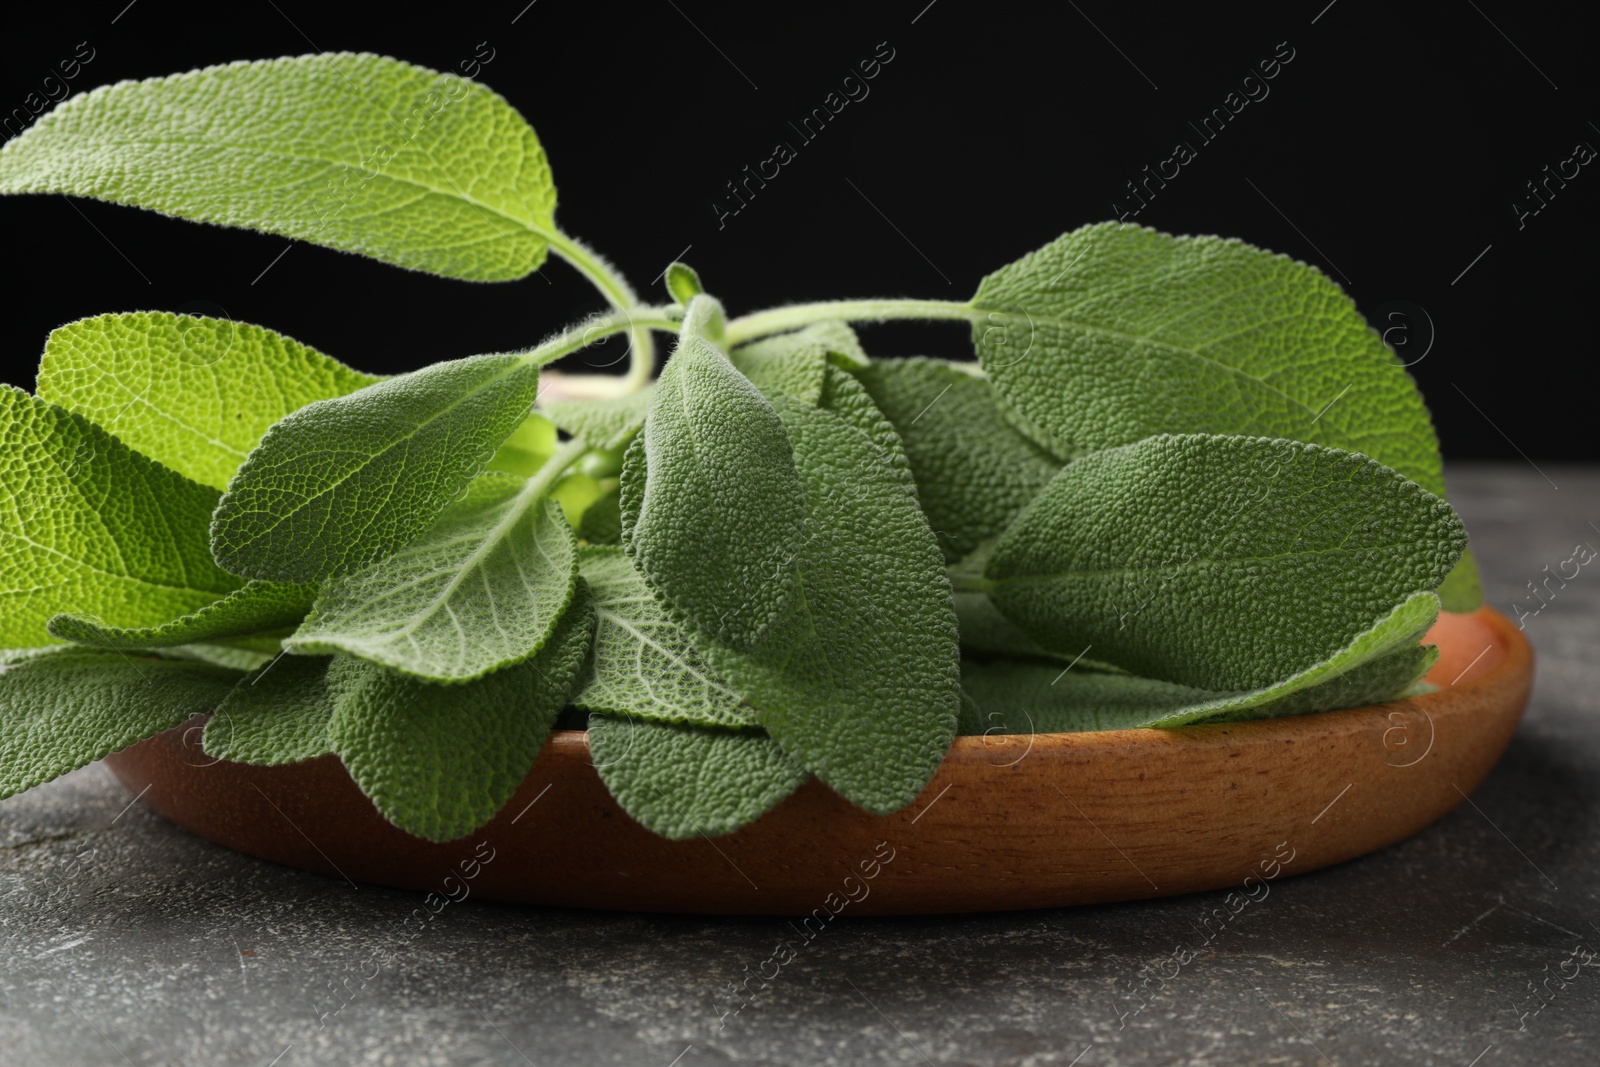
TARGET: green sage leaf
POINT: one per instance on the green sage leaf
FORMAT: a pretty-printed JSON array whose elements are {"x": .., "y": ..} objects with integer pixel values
[
  {"x": 683, "y": 283},
  {"x": 479, "y": 590},
  {"x": 717, "y": 520},
  {"x": 974, "y": 472},
  {"x": 352, "y": 151},
  {"x": 195, "y": 394},
  {"x": 1223, "y": 563},
  {"x": 680, "y": 781},
  {"x": 280, "y": 714},
  {"x": 1378, "y": 665},
  {"x": 645, "y": 664},
  {"x": 607, "y": 423},
  {"x": 254, "y": 608},
  {"x": 65, "y": 709},
  {"x": 92, "y": 527},
  {"x": 1112, "y": 333},
  {"x": 342, "y": 483},
  {"x": 439, "y": 761},
  {"x": 857, "y": 680}
]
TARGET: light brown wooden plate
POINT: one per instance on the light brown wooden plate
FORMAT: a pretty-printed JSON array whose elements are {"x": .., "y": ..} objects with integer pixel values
[{"x": 1008, "y": 822}]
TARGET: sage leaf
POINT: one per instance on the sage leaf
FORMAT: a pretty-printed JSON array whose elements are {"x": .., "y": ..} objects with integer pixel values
[
  {"x": 716, "y": 522},
  {"x": 1462, "y": 589},
  {"x": 645, "y": 665},
  {"x": 974, "y": 472},
  {"x": 607, "y": 423},
  {"x": 280, "y": 714},
  {"x": 527, "y": 449},
  {"x": 352, "y": 151},
  {"x": 1378, "y": 665},
  {"x": 67, "y": 708},
  {"x": 680, "y": 781},
  {"x": 847, "y": 398},
  {"x": 193, "y": 393},
  {"x": 1219, "y": 562},
  {"x": 602, "y": 520},
  {"x": 1112, "y": 333},
  {"x": 89, "y": 525},
  {"x": 342, "y": 483},
  {"x": 235, "y": 656},
  {"x": 793, "y": 363},
  {"x": 857, "y": 679},
  {"x": 439, "y": 761},
  {"x": 479, "y": 590},
  {"x": 254, "y": 608},
  {"x": 683, "y": 282},
  {"x": 817, "y": 365}
]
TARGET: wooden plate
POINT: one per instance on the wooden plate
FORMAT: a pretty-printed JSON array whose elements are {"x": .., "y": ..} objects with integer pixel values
[{"x": 1008, "y": 822}]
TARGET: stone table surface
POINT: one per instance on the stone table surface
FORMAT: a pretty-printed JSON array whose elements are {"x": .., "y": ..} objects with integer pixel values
[{"x": 124, "y": 941}]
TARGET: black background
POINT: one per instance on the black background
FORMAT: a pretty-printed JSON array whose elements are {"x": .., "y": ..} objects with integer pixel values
[{"x": 1388, "y": 153}]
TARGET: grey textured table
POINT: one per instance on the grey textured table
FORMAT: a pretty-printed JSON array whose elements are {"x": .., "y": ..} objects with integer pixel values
[{"x": 124, "y": 941}]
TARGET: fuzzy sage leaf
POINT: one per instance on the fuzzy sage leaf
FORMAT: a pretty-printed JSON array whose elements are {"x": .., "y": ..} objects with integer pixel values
[
  {"x": 353, "y": 151},
  {"x": 1219, "y": 562},
  {"x": 682, "y": 781},
  {"x": 89, "y": 526},
  {"x": 254, "y": 608},
  {"x": 974, "y": 471},
  {"x": 479, "y": 590},
  {"x": 717, "y": 514},
  {"x": 195, "y": 394},
  {"x": 1012, "y": 697},
  {"x": 439, "y": 761},
  {"x": 857, "y": 679},
  {"x": 64, "y": 709},
  {"x": 645, "y": 664},
  {"x": 341, "y": 483},
  {"x": 280, "y": 714}
]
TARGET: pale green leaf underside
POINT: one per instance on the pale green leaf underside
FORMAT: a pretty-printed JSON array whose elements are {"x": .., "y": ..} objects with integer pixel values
[
  {"x": 601, "y": 523},
  {"x": 90, "y": 527},
  {"x": 1462, "y": 591},
  {"x": 195, "y": 394},
  {"x": 479, "y": 590},
  {"x": 64, "y": 709},
  {"x": 974, "y": 472},
  {"x": 439, "y": 761},
  {"x": 254, "y": 608},
  {"x": 1040, "y": 698},
  {"x": 717, "y": 521},
  {"x": 235, "y": 656},
  {"x": 645, "y": 665},
  {"x": 353, "y": 151},
  {"x": 527, "y": 449},
  {"x": 857, "y": 679},
  {"x": 608, "y": 423},
  {"x": 280, "y": 714},
  {"x": 681, "y": 781},
  {"x": 1116, "y": 332},
  {"x": 1223, "y": 563},
  {"x": 342, "y": 483}
]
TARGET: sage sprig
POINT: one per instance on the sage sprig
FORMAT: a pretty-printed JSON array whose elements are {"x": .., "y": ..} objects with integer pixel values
[{"x": 1183, "y": 466}]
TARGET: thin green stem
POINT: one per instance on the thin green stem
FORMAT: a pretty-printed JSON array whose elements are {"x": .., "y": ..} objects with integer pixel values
[
  {"x": 777, "y": 320},
  {"x": 545, "y": 478},
  {"x": 535, "y": 489},
  {"x": 604, "y": 277},
  {"x": 586, "y": 333}
]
